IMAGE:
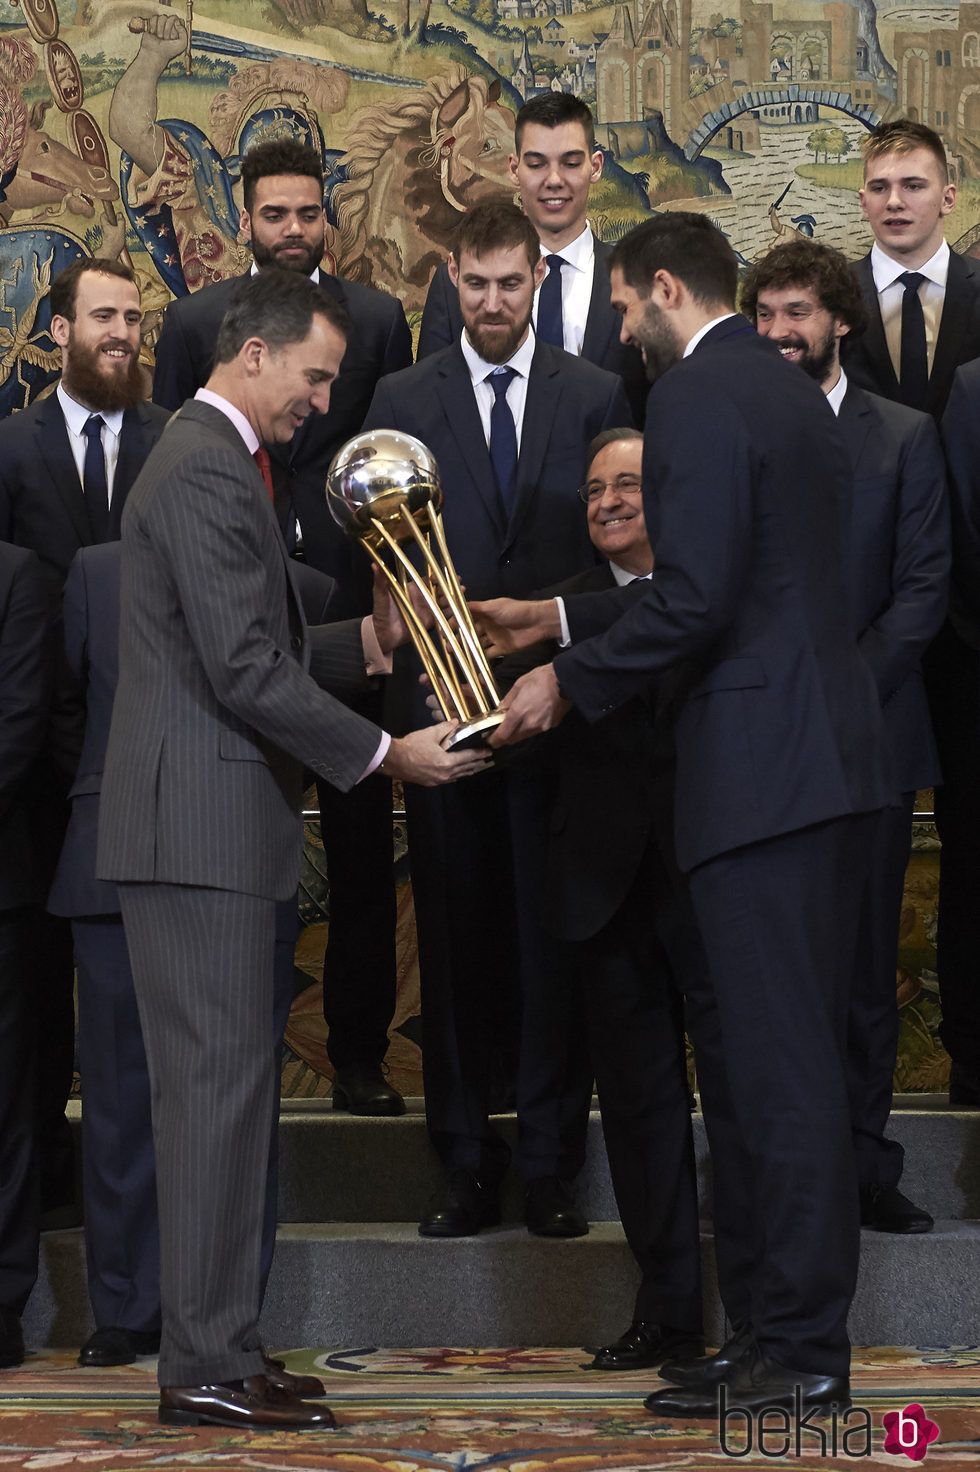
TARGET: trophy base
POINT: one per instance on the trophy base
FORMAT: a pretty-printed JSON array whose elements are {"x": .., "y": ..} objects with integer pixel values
[{"x": 474, "y": 733}]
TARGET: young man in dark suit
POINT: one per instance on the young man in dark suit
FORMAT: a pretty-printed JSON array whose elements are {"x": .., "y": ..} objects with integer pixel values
[
  {"x": 26, "y": 670},
  {"x": 508, "y": 419},
  {"x": 283, "y": 220},
  {"x": 216, "y": 715},
  {"x": 779, "y": 764},
  {"x": 555, "y": 160},
  {"x": 803, "y": 297},
  {"x": 66, "y": 466}
]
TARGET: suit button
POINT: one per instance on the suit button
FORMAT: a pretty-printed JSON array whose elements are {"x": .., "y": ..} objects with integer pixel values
[{"x": 296, "y": 642}]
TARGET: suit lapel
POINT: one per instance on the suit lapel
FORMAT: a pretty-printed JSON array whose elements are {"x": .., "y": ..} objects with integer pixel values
[
  {"x": 855, "y": 421},
  {"x": 873, "y": 343},
  {"x": 134, "y": 446},
  {"x": 540, "y": 406},
  {"x": 458, "y": 401},
  {"x": 602, "y": 324},
  {"x": 55, "y": 453},
  {"x": 286, "y": 454},
  {"x": 953, "y": 326}
]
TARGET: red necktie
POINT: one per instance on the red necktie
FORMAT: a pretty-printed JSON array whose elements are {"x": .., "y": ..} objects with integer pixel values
[{"x": 261, "y": 458}]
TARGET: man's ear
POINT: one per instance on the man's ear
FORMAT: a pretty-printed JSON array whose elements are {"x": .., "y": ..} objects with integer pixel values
[
  {"x": 60, "y": 330},
  {"x": 453, "y": 270}
]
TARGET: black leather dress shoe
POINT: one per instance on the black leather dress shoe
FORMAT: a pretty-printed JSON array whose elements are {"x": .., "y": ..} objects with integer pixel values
[
  {"x": 461, "y": 1208},
  {"x": 252, "y": 1404},
  {"x": 964, "y": 1087},
  {"x": 753, "y": 1382},
  {"x": 550, "y": 1211},
  {"x": 113, "y": 1346},
  {"x": 710, "y": 1368},
  {"x": 304, "y": 1387},
  {"x": 885, "y": 1209},
  {"x": 363, "y": 1089},
  {"x": 11, "y": 1339},
  {"x": 645, "y": 1345}
]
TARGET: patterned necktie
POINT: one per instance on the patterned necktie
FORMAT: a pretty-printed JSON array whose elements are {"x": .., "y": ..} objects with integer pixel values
[
  {"x": 503, "y": 437},
  {"x": 261, "y": 458},
  {"x": 94, "y": 482},
  {"x": 550, "y": 327},
  {"x": 913, "y": 369}
]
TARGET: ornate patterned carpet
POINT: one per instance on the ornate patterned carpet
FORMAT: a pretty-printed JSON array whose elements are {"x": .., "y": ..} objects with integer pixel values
[{"x": 445, "y": 1410}]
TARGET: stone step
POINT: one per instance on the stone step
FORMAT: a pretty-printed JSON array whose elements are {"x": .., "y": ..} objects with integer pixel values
[{"x": 379, "y": 1283}]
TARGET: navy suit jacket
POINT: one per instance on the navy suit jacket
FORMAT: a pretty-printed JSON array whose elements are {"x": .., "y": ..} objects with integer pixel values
[
  {"x": 778, "y": 721},
  {"x": 867, "y": 361},
  {"x": 442, "y": 323},
  {"x": 42, "y": 505},
  {"x": 900, "y": 555},
  {"x": 545, "y": 538},
  {"x": 25, "y": 690},
  {"x": 961, "y": 441},
  {"x": 380, "y": 343}
]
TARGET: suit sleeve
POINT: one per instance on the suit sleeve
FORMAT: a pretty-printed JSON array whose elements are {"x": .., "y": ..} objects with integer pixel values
[
  {"x": 175, "y": 375},
  {"x": 67, "y": 731},
  {"x": 215, "y": 541},
  {"x": 895, "y": 641},
  {"x": 398, "y": 345},
  {"x": 699, "y": 518},
  {"x": 437, "y": 329},
  {"x": 381, "y": 414},
  {"x": 961, "y": 439},
  {"x": 25, "y": 676}
]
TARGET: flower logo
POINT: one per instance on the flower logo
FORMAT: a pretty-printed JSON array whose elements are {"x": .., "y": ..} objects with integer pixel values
[{"x": 909, "y": 1431}]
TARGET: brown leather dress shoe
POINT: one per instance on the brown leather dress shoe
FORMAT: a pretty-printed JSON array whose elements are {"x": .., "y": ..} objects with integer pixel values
[
  {"x": 253, "y": 1403},
  {"x": 305, "y": 1387}
]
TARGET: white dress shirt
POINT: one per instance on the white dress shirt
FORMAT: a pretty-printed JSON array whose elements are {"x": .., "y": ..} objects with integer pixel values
[
  {"x": 891, "y": 292},
  {"x": 516, "y": 395},
  {"x": 76, "y": 418},
  {"x": 576, "y": 289}
]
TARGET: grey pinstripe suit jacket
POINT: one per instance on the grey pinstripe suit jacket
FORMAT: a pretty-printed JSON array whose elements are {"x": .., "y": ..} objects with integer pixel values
[{"x": 216, "y": 713}]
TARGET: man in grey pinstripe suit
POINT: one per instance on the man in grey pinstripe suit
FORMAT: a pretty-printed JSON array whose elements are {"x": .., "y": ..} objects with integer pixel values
[{"x": 218, "y": 710}]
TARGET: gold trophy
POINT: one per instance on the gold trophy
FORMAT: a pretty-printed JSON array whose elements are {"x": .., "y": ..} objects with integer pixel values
[{"x": 383, "y": 488}]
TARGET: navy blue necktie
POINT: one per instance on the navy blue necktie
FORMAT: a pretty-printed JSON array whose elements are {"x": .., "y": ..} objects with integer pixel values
[
  {"x": 503, "y": 437},
  {"x": 94, "y": 482},
  {"x": 913, "y": 362},
  {"x": 550, "y": 327}
]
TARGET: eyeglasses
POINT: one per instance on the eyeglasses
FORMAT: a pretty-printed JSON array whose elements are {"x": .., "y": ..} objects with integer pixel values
[{"x": 623, "y": 485}]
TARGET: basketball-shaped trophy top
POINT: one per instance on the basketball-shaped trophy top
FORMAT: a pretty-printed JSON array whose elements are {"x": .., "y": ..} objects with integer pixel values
[{"x": 375, "y": 475}]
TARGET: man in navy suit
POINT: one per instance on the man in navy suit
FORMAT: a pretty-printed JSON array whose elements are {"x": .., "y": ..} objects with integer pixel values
[
  {"x": 508, "y": 419},
  {"x": 284, "y": 221},
  {"x": 804, "y": 297},
  {"x": 779, "y": 764},
  {"x": 554, "y": 163},
  {"x": 66, "y": 466},
  {"x": 26, "y": 666}
]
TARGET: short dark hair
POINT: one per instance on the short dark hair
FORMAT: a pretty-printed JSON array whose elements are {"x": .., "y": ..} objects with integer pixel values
[
  {"x": 687, "y": 245},
  {"x": 278, "y": 306},
  {"x": 808, "y": 263},
  {"x": 64, "y": 288},
  {"x": 278, "y": 156},
  {"x": 610, "y": 437},
  {"x": 551, "y": 110},
  {"x": 496, "y": 225},
  {"x": 902, "y": 135}
]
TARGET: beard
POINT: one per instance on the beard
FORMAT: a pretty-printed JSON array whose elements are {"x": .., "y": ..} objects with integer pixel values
[
  {"x": 274, "y": 255},
  {"x": 817, "y": 361},
  {"x": 92, "y": 383},
  {"x": 496, "y": 347},
  {"x": 660, "y": 347}
]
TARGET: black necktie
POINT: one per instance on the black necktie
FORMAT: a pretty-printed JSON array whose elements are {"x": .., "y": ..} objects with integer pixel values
[
  {"x": 503, "y": 437},
  {"x": 550, "y": 327},
  {"x": 94, "y": 482},
  {"x": 913, "y": 370}
]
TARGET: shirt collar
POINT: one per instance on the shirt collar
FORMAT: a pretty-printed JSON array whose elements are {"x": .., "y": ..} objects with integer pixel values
[
  {"x": 623, "y": 577},
  {"x": 76, "y": 414},
  {"x": 225, "y": 407},
  {"x": 481, "y": 369},
  {"x": 314, "y": 274},
  {"x": 886, "y": 270},
  {"x": 703, "y": 331},
  {"x": 578, "y": 253},
  {"x": 836, "y": 395}
]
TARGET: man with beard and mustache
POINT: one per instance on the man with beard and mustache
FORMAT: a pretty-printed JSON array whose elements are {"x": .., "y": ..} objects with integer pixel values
[
  {"x": 804, "y": 298},
  {"x": 509, "y": 420},
  {"x": 283, "y": 220},
  {"x": 744, "y": 628},
  {"x": 66, "y": 466}
]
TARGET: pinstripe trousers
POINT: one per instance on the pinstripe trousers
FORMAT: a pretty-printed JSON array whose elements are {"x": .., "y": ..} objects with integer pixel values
[{"x": 203, "y": 972}]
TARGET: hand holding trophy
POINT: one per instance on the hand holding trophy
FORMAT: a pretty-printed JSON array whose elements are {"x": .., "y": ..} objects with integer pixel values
[{"x": 383, "y": 488}]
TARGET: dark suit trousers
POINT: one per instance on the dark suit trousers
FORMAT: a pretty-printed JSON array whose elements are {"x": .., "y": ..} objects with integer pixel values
[
  {"x": 952, "y": 671},
  {"x": 203, "y": 971},
  {"x": 636, "y": 1037},
  {"x": 19, "y": 1204},
  {"x": 359, "y": 965},
  {"x": 779, "y": 922},
  {"x": 872, "y": 1022}
]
